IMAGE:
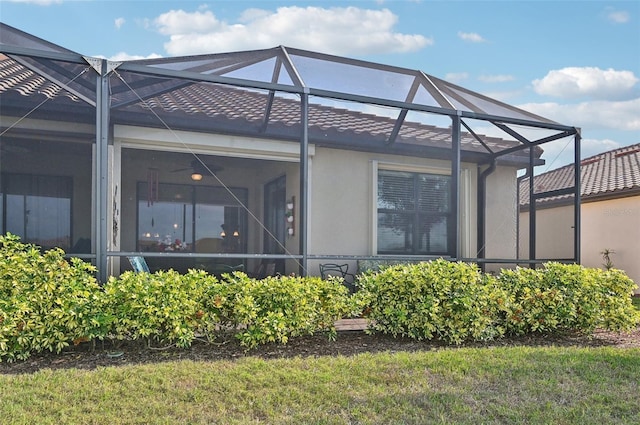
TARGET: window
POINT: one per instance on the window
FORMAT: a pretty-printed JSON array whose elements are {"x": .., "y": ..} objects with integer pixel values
[
  {"x": 185, "y": 218},
  {"x": 38, "y": 209},
  {"x": 414, "y": 213}
]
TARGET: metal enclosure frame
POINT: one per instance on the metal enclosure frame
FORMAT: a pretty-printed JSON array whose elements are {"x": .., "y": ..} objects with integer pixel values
[{"x": 37, "y": 55}]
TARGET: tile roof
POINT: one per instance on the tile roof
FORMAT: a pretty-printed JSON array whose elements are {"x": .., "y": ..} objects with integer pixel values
[
  {"x": 614, "y": 173},
  {"x": 215, "y": 100},
  {"x": 27, "y": 83},
  {"x": 213, "y": 104}
]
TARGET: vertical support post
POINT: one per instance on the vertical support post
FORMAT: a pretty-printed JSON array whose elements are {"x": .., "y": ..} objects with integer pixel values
[
  {"x": 455, "y": 186},
  {"x": 532, "y": 209},
  {"x": 303, "y": 221},
  {"x": 577, "y": 198},
  {"x": 482, "y": 210},
  {"x": 480, "y": 231},
  {"x": 101, "y": 178}
]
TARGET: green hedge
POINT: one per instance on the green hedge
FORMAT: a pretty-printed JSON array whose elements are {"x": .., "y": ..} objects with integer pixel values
[
  {"x": 560, "y": 297},
  {"x": 452, "y": 301},
  {"x": 455, "y": 302},
  {"x": 164, "y": 307},
  {"x": 48, "y": 302},
  {"x": 167, "y": 307},
  {"x": 278, "y": 308}
]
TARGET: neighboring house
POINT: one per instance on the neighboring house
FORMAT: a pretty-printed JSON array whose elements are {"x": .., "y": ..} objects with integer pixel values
[
  {"x": 278, "y": 156},
  {"x": 610, "y": 211}
]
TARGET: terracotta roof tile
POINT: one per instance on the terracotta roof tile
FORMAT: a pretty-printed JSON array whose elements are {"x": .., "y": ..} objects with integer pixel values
[
  {"x": 222, "y": 101},
  {"x": 15, "y": 76},
  {"x": 608, "y": 173}
]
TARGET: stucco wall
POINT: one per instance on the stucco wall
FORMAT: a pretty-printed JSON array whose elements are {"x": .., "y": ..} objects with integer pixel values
[
  {"x": 554, "y": 233},
  {"x": 613, "y": 225},
  {"x": 501, "y": 216}
]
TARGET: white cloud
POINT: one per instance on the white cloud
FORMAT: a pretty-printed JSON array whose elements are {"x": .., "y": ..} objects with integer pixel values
[
  {"x": 348, "y": 30},
  {"x": 253, "y": 14},
  {"x": 471, "y": 36},
  {"x": 496, "y": 78},
  {"x": 179, "y": 22},
  {"x": 119, "y": 22},
  {"x": 456, "y": 77},
  {"x": 591, "y": 147},
  {"x": 622, "y": 115},
  {"x": 575, "y": 82},
  {"x": 122, "y": 56},
  {"x": 618, "y": 17}
]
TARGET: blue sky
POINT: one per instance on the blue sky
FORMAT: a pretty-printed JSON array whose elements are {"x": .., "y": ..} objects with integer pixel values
[{"x": 576, "y": 62}]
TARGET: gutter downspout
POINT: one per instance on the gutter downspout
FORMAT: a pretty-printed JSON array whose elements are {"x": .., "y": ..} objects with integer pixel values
[{"x": 519, "y": 180}]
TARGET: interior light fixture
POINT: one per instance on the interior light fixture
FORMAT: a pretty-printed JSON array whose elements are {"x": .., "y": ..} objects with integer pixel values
[{"x": 196, "y": 177}]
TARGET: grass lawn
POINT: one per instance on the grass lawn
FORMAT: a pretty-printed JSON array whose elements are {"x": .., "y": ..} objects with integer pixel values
[{"x": 507, "y": 385}]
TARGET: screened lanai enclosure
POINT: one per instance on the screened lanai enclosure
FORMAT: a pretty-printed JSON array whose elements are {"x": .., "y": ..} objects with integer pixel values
[{"x": 279, "y": 157}]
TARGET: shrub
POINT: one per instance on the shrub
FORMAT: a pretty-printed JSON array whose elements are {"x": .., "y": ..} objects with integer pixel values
[
  {"x": 278, "y": 308},
  {"x": 452, "y": 301},
  {"x": 615, "y": 306},
  {"x": 560, "y": 297},
  {"x": 45, "y": 301},
  {"x": 164, "y": 306}
]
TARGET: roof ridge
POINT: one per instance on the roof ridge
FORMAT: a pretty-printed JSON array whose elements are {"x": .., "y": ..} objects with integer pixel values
[
  {"x": 616, "y": 170},
  {"x": 615, "y": 151}
]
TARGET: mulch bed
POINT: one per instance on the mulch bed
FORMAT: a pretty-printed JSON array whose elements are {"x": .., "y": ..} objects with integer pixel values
[{"x": 348, "y": 343}]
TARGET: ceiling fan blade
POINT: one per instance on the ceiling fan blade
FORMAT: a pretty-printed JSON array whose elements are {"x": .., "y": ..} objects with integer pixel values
[
  {"x": 207, "y": 168},
  {"x": 198, "y": 167}
]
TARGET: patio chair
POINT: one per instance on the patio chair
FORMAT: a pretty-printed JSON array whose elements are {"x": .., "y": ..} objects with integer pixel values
[
  {"x": 339, "y": 270},
  {"x": 227, "y": 268},
  {"x": 139, "y": 264},
  {"x": 264, "y": 269}
]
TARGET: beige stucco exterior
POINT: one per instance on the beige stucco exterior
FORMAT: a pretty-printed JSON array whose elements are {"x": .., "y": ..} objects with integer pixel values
[
  {"x": 615, "y": 225},
  {"x": 554, "y": 233},
  {"x": 612, "y": 224},
  {"x": 501, "y": 216}
]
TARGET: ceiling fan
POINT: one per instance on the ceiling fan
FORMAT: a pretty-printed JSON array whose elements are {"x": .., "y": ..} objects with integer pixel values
[{"x": 198, "y": 169}]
